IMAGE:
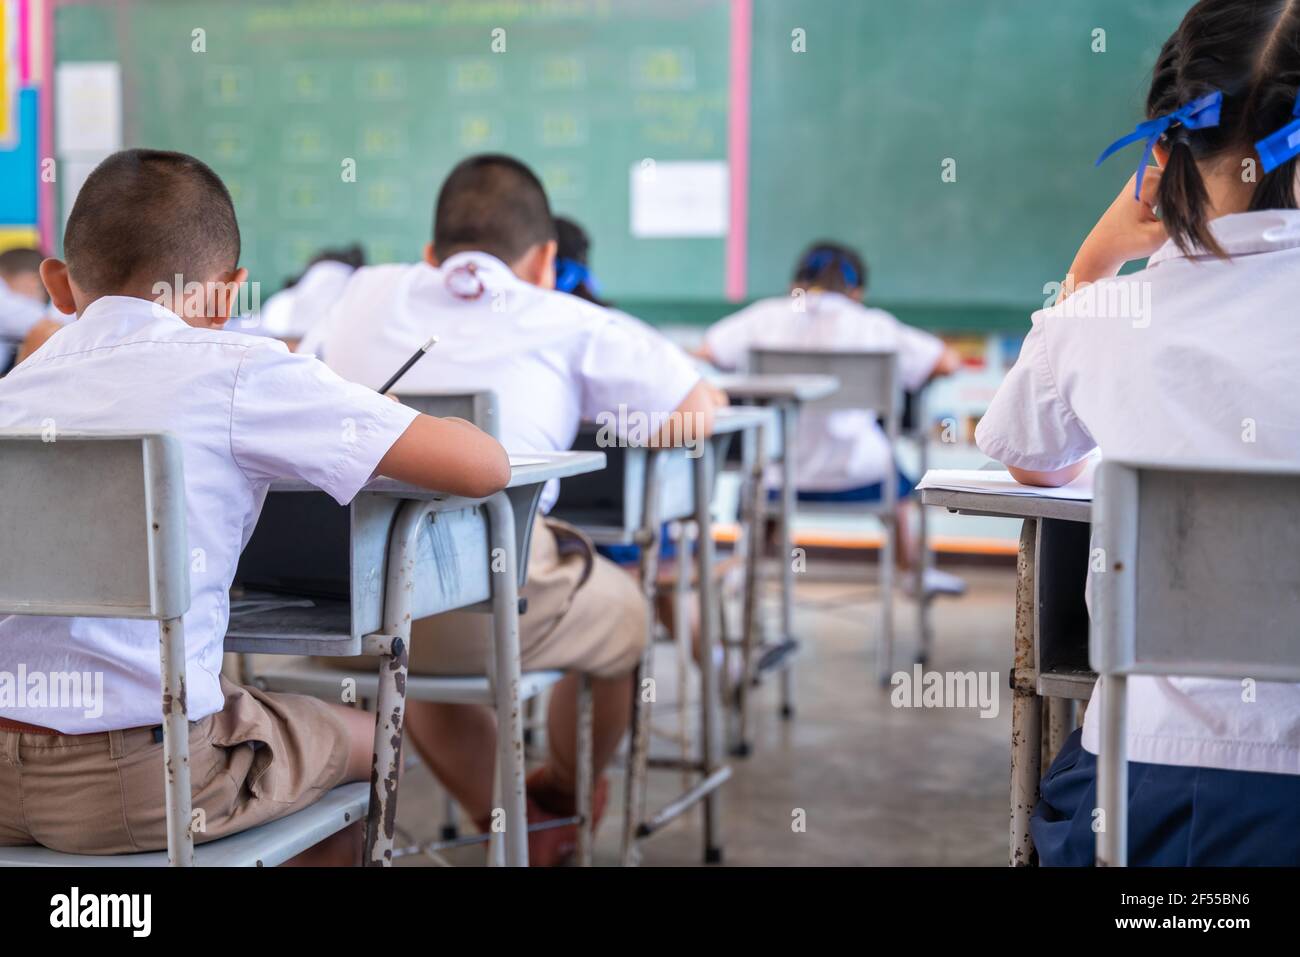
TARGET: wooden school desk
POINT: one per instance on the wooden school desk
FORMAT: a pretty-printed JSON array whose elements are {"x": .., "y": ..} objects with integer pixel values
[
  {"x": 626, "y": 504},
  {"x": 785, "y": 395},
  {"x": 321, "y": 580},
  {"x": 1050, "y": 670}
]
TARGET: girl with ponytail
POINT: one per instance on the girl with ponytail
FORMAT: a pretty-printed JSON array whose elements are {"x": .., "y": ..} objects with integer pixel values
[{"x": 1193, "y": 357}]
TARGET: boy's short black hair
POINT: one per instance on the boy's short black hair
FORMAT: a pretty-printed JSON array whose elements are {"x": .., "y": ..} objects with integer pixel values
[
  {"x": 145, "y": 216},
  {"x": 15, "y": 262},
  {"x": 831, "y": 266},
  {"x": 494, "y": 204}
]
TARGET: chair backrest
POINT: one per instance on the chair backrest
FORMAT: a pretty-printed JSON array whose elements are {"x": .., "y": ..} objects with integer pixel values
[
  {"x": 477, "y": 407},
  {"x": 1202, "y": 570},
  {"x": 92, "y": 524},
  {"x": 868, "y": 378}
]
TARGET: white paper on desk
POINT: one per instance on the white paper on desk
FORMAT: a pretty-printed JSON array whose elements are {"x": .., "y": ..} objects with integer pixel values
[
  {"x": 679, "y": 198},
  {"x": 1000, "y": 482}
]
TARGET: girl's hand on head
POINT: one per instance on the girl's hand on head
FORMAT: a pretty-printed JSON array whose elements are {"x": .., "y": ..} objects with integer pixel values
[{"x": 1128, "y": 230}]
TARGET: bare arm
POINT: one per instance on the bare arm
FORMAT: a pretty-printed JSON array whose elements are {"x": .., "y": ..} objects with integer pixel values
[
  {"x": 1053, "y": 479},
  {"x": 693, "y": 417},
  {"x": 449, "y": 455},
  {"x": 948, "y": 363}
]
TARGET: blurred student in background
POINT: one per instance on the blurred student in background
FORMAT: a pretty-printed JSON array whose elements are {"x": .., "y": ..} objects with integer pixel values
[{"x": 842, "y": 455}]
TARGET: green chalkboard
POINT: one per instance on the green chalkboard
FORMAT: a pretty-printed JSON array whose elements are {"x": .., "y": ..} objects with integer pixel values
[
  {"x": 852, "y": 120},
  {"x": 277, "y": 96},
  {"x": 850, "y": 137}
]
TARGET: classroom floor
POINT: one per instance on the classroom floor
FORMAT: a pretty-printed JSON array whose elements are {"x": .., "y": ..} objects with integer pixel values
[{"x": 879, "y": 785}]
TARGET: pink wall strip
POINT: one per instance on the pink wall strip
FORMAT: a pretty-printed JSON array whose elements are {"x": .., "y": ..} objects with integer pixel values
[
  {"x": 737, "y": 245},
  {"x": 24, "y": 42},
  {"x": 46, "y": 205}
]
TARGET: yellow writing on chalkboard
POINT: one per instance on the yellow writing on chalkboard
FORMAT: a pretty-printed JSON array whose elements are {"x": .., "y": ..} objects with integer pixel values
[
  {"x": 384, "y": 80},
  {"x": 474, "y": 75},
  {"x": 304, "y": 83},
  {"x": 561, "y": 73},
  {"x": 477, "y": 131},
  {"x": 226, "y": 86},
  {"x": 663, "y": 68},
  {"x": 382, "y": 142},
  {"x": 563, "y": 128}
]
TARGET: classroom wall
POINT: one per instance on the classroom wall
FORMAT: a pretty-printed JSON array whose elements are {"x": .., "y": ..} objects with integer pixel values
[{"x": 834, "y": 118}]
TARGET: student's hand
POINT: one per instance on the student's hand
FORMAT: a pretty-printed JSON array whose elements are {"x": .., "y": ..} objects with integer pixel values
[{"x": 1128, "y": 230}]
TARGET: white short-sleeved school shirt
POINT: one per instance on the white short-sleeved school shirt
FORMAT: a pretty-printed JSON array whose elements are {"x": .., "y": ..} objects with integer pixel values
[
  {"x": 18, "y": 313},
  {"x": 553, "y": 359},
  {"x": 844, "y": 449},
  {"x": 246, "y": 411},
  {"x": 1190, "y": 358},
  {"x": 294, "y": 312}
]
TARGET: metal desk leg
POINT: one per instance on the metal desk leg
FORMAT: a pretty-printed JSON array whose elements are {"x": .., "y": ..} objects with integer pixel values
[
  {"x": 639, "y": 747},
  {"x": 753, "y": 526},
  {"x": 789, "y": 421},
  {"x": 504, "y": 575},
  {"x": 924, "y": 628},
  {"x": 1026, "y": 707},
  {"x": 710, "y": 739}
]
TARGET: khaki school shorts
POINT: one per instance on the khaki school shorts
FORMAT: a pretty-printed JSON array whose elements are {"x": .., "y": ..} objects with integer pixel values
[
  {"x": 584, "y": 614},
  {"x": 261, "y": 757}
]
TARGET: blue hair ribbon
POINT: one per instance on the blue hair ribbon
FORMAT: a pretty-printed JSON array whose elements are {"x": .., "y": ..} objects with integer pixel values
[
  {"x": 1276, "y": 148},
  {"x": 1199, "y": 114},
  {"x": 570, "y": 274},
  {"x": 819, "y": 259}
]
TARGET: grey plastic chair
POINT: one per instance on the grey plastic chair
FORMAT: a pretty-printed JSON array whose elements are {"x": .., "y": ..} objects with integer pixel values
[
  {"x": 1202, "y": 579},
  {"x": 94, "y": 525},
  {"x": 868, "y": 381}
]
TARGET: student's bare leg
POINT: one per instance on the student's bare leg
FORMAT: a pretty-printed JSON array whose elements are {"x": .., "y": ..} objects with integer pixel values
[
  {"x": 905, "y": 549},
  {"x": 344, "y": 848},
  {"x": 459, "y": 744},
  {"x": 611, "y": 711}
]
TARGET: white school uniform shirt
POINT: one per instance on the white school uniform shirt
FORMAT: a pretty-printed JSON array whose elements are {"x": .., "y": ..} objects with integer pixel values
[
  {"x": 246, "y": 411},
  {"x": 1167, "y": 364},
  {"x": 18, "y": 313},
  {"x": 844, "y": 449},
  {"x": 294, "y": 312},
  {"x": 553, "y": 359}
]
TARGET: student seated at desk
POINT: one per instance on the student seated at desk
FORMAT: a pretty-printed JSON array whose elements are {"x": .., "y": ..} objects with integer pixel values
[
  {"x": 23, "y": 301},
  {"x": 89, "y": 779},
  {"x": 485, "y": 288},
  {"x": 843, "y": 455},
  {"x": 1192, "y": 358},
  {"x": 297, "y": 312}
]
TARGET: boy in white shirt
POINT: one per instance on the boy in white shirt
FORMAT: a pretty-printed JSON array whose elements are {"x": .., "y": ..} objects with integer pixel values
[
  {"x": 297, "y": 312},
  {"x": 485, "y": 289},
  {"x": 1171, "y": 363},
  {"x": 844, "y": 455},
  {"x": 23, "y": 301},
  {"x": 144, "y": 355}
]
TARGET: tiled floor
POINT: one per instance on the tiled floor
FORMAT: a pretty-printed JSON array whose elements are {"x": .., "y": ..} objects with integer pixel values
[{"x": 875, "y": 784}]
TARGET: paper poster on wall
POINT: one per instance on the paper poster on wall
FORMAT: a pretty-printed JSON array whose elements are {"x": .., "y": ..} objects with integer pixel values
[
  {"x": 88, "y": 108},
  {"x": 679, "y": 199}
]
